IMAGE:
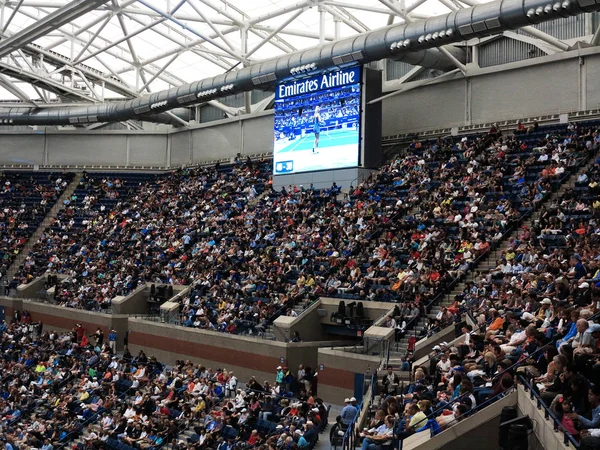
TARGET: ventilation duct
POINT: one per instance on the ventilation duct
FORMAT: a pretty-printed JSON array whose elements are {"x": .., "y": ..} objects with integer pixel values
[{"x": 395, "y": 41}]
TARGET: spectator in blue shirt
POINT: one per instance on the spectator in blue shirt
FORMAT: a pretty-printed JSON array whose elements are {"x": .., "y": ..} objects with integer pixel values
[
  {"x": 349, "y": 412},
  {"x": 594, "y": 422},
  {"x": 112, "y": 340}
]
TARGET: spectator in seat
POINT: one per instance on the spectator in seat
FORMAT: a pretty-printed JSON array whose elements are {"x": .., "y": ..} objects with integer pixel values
[{"x": 348, "y": 413}]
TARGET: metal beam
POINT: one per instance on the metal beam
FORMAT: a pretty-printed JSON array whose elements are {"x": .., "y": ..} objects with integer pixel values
[
  {"x": 43, "y": 82},
  {"x": 448, "y": 4},
  {"x": 263, "y": 104},
  {"x": 274, "y": 32},
  {"x": 226, "y": 109},
  {"x": 161, "y": 70},
  {"x": 12, "y": 15},
  {"x": 414, "y": 6},
  {"x": 349, "y": 23},
  {"x": 15, "y": 90},
  {"x": 596, "y": 37},
  {"x": 395, "y": 9},
  {"x": 51, "y": 22},
  {"x": 546, "y": 48},
  {"x": 191, "y": 30},
  {"x": 414, "y": 86},
  {"x": 94, "y": 36},
  {"x": 412, "y": 73},
  {"x": 545, "y": 37},
  {"x": 86, "y": 26},
  {"x": 224, "y": 12},
  {"x": 178, "y": 119},
  {"x": 455, "y": 61},
  {"x": 278, "y": 12},
  {"x": 195, "y": 46},
  {"x": 353, "y": 18},
  {"x": 212, "y": 25}
]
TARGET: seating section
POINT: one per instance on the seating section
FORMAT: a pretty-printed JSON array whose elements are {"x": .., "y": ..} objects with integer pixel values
[
  {"x": 122, "y": 229},
  {"x": 25, "y": 199},
  {"x": 71, "y": 391},
  {"x": 407, "y": 234},
  {"x": 535, "y": 314}
]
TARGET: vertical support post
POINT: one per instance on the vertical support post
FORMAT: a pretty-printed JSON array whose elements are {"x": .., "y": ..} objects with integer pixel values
[
  {"x": 127, "y": 149},
  {"x": 45, "y": 146},
  {"x": 191, "y": 146},
  {"x": 2, "y": 14},
  {"x": 168, "y": 156},
  {"x": 337, "y": 23},
  {"x": 241, "y": 122},
  {"x": 475, "y": 55},
  {"x": 322, "y": 18},
  {"x": 582, "y": 84},
  {"x": 468, "y": 101},
  {"x": 248, "y": 94}
]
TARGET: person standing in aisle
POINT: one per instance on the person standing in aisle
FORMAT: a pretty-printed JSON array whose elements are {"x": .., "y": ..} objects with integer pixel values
[{"x": 112, "y": 341}]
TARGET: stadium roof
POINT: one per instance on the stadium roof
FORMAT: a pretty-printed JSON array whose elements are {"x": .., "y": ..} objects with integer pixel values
[{"x": 57, "y": 52}]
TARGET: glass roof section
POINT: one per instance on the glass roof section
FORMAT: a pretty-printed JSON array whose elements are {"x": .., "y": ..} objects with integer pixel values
[{"x": 150, "y": 45}]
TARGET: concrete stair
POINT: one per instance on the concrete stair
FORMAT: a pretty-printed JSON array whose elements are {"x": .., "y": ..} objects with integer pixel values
[
  {"x": 260, "y": 196},
  {"x": 13, "y": 269}
]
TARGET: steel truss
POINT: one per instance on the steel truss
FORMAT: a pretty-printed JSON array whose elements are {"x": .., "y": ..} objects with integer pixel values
[{"x": 80, "y": 62}]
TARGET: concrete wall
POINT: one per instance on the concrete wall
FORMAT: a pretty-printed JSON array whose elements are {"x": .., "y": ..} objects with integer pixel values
[
  {"x": 552, "y": 84},
  {"x": 220, "y": 139},
  {"x": 336, "y": 380},
  {"x": 246, "y": 356},
  {"x": 564, "y": 82},
  {"x": 307, "y": 324},
  {"x": 137, "y": 301},
  {"x": 64, "y": 319},
  {"x": 424, "y": 346},
  {"x": 477, "y": 432},
  {"x": 32, "y": 289},
  {"x": 323, "y": 179},
  {"x": 373, "y": 310},
  {"x": 542, "y": 427}
]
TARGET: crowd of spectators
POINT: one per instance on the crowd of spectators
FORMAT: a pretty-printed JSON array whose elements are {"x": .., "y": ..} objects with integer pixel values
[
  {"x": 25, "y": 199},
  {"x": 535, "y": 317},
  {"x": 403, "y": 235},
  {"x": 63, "y": 390},
  {"x": 119, "y": 230}
]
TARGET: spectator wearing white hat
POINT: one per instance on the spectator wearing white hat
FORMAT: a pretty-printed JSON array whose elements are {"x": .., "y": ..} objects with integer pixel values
[{"x": 349, "y": 412}]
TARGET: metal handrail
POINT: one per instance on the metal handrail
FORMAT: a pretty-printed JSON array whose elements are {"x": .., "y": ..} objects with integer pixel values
[
  {"x": 548, "y": 413},
  {"x": 350, "y": 437}
]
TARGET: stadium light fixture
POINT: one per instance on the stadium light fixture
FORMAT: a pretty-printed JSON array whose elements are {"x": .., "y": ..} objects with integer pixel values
[
  {"x": 531, "y": 13},
  {"x": 303, "y": 69},
  {"x": 206, "y": 93},
  {"x": 548, "y": 9},
  {"x": 158, "y": 104}
]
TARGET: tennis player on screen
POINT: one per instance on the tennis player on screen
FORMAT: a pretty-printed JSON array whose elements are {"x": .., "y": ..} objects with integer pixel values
[{"x": 316, "y": 128}]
